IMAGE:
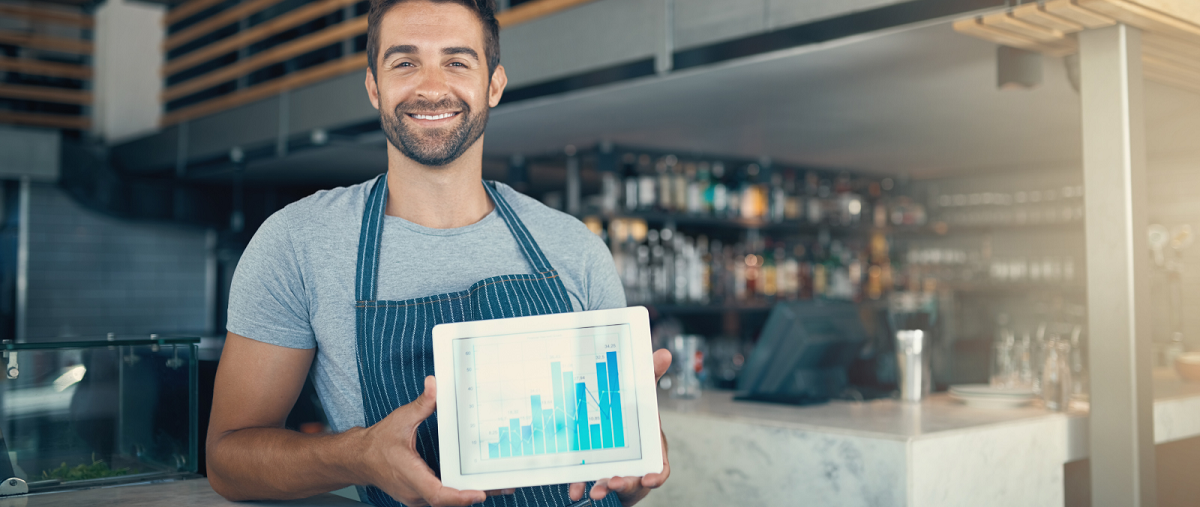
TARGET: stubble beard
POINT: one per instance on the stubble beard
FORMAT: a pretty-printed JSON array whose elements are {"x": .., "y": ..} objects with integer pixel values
[{"x": 434, "y": 147}]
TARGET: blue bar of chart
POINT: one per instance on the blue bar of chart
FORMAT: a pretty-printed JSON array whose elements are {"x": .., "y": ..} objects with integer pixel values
[{"x": 576, "y": 406}]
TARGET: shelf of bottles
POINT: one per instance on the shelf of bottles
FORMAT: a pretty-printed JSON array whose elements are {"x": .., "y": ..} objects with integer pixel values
[
  {"x": 696, "y": 234},
  {"x": 704, "y": 235}
]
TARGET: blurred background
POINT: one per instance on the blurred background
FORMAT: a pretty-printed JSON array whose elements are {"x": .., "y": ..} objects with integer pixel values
[{"x": 733, "y": 154}]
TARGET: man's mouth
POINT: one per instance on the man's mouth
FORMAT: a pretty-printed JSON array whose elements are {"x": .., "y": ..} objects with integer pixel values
[{"x": 433, "y": 116}]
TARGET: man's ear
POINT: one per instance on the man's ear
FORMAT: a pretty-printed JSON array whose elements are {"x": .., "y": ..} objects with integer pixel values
[
  {"x": 496, "y": 86},
  {"x": 372, "y": 89}
]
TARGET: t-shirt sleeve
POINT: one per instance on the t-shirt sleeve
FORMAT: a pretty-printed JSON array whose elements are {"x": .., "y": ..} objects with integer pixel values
[
  {"x": 604, "y": 286},
  {"x": 267, "y": 298}
]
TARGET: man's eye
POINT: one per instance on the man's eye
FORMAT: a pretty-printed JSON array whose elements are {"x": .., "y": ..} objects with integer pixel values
[{"x": 460, "y": 64}]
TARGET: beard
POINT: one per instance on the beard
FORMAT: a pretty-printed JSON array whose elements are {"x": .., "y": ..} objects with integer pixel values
[{"x": 434, "y": 147}]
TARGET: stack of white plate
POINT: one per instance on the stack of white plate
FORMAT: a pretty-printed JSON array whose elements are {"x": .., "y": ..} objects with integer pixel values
[{"x": 986, "y": 396}]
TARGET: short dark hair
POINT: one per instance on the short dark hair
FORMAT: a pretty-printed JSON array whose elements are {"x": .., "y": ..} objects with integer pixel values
[{"x": 484, "y": 9}]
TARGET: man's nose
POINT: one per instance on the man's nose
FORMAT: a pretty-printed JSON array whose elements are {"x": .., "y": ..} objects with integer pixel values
[{"x": 432, "y": 84}]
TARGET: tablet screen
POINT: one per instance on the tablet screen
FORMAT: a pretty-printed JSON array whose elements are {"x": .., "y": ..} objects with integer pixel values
[{"x": 546, "y": 399}]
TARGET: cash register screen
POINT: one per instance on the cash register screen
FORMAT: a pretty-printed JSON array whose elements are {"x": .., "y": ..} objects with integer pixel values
[{"x": 803, "y": 352}]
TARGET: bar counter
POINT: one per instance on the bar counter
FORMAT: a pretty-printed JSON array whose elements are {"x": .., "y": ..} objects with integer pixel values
[
  {"x": 184, "y": 493},
  {"x": 886, "y": 452}
]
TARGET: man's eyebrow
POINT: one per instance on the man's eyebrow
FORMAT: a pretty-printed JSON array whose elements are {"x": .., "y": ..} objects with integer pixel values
[
  {"x": 461, "y": 51},
  {"x": 402, "y": 48}
]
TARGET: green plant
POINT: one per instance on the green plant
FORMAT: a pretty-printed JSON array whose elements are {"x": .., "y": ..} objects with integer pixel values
[{"x": 97, "y": 470}]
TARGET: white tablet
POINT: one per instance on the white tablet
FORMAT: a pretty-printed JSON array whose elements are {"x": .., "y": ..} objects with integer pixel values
[{"x": 549, "y": 399}]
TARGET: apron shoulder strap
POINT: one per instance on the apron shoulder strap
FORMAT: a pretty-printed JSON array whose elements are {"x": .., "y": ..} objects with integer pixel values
[
  {"x": 370, "y": 237},
  {"x": 533, "y": 253}
]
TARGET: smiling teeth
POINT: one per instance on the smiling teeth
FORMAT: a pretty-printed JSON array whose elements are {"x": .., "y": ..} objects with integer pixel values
[{"x": 428, "y": 117}]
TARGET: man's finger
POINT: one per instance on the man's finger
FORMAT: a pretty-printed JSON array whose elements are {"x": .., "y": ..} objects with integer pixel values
[
  {"x": 575, "y": 491},
  {"x": 599, "y": 490},
  {"x": 662, "y": 361},
  {"x": 450, "y": 497},
  {"x": 624, "y": 484},
  {"x": 656, "y": 480}
]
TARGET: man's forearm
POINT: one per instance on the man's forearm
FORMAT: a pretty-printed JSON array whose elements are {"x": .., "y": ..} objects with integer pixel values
[{"x": 280, "y": 464}]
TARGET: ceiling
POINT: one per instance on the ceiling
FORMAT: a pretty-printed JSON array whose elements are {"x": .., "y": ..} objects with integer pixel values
[{"x": 920, "y": 100}]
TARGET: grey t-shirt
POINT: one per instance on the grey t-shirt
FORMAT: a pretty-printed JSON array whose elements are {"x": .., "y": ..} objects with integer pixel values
[{"x": 294, "y": 285}]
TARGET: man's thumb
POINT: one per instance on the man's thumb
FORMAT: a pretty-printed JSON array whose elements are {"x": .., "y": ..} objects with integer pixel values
[{"x": 426, "y": 403}]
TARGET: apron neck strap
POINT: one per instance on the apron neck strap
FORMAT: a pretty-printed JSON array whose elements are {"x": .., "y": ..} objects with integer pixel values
[{"x": 371, "y": 237}]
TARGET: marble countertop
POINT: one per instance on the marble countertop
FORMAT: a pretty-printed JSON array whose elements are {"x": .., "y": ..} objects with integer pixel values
[
  {"x": 1177, "y": 413},
  {"x": 187, "y": 492}
]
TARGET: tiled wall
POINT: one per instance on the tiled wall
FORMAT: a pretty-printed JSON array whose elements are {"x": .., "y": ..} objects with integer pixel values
[{"x": 90, "y": 274}]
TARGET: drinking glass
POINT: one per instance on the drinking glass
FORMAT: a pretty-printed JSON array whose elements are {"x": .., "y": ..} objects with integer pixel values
[
  {"x": 688, "y": 364},
  {"x": 1056, "y": 387}
]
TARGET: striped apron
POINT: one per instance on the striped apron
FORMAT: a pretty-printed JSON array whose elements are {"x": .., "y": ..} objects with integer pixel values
[{"x": 394, "y": 338}]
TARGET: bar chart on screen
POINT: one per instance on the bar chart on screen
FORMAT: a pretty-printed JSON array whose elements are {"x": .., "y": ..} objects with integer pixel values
[{"x": 549, "y": 394}]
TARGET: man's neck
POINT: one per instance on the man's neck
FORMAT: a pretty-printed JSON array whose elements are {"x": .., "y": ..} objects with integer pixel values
[{"x": 438, "y": 197}]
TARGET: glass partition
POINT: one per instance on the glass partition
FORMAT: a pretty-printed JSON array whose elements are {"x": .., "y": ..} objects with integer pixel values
[{"x": 87, "y": 412}]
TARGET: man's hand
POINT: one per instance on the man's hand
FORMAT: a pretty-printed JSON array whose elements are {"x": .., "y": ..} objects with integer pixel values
[
  {"x": 632, "y": 489},
  {"x": 395, "y": 466}
]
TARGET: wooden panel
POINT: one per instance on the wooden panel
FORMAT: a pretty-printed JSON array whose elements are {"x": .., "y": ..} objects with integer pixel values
[
  {"x": 1161, "y": 44},
  {"x": 76, "y": 46},
  {"x": 45, "y": 94},
  {"x": 259, "y": 32},
  {"x": 185, "y": 10},
  {"x": 296, "y": 80},
  {"x": 45, "y": 120},
  {"x": 224, "y": 18},
  {"x": 53, "y": 16},
  {"x": 40, "y": 68},
  {"x": 1169, "y": 51},
  {"x": 316, "y": 40},
  {"x": 533, "y": 10},
  {"x": 1147, "y": 19},
  {"x": 1170, "y": 75},
  {"x": 1037, "y": 14},
  {"x": 1005, "y": 21},
  {"x": 973, "y": 27},
  {"x": 1069, "y": 9},
  {"x": 1186, "y": 10}
]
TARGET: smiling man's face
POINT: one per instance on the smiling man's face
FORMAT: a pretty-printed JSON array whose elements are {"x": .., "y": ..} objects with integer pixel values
[{"x": 432, "y": 87}]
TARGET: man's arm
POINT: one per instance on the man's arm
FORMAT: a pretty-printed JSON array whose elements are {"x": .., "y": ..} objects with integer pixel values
[{"x": 252, "y": 457}]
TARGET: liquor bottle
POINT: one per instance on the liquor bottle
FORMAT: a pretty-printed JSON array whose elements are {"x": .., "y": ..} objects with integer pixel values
[
  {"x": 647, "y": 195},
  {"x": 777, "y": 203},
  {"x": 738, "y": 269},
  {"x": 702, "y": 271},
  {"x": 789, "y": 275},
  {"x": 629, "y": 173},
  {"x": 662, "y": 170},
  {"x": 770, "y": 278},
  {"x": 793, "y": 208},
  {"x": 806, "y": 271},
  {"x": 679, "y": 186},
  {"x": 697, "y": 183},
  {"x": 734, "y": 180},
  {"x": 684, "y": 253},
  {"x": 812, "y": 200},
  {"x": 718, "y": 193},
  {"x": 752, "y": 194}
]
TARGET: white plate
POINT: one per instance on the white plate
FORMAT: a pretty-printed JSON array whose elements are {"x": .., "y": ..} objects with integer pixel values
[
  {"x": 993, "y": 392},
  {"x": 991, "y": 401}
]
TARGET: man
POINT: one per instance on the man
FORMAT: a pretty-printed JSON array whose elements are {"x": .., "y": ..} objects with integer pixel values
[{"x": 349, "y": 282}]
